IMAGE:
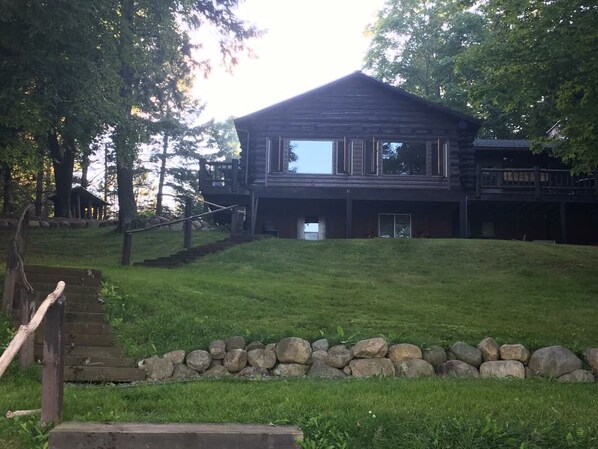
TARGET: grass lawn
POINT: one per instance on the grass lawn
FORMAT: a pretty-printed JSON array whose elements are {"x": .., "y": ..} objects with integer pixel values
[{"x": 418, "y": 291}]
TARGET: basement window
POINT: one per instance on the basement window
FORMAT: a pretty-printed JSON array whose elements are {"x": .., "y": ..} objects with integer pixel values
[{"x": 394, "y": 226}]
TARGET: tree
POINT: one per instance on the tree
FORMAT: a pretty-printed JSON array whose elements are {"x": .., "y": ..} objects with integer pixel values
[{"x": 539, "y": 64}]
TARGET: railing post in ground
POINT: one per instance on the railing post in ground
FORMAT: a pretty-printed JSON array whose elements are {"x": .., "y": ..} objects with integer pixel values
[
  {"x": 187, "y": 225},
  {"x": 127, "y": 247},
  {"x": 53, "y": 363},
  {"x": 236, "y": 222},
  {"x": 27, "y": 312}
]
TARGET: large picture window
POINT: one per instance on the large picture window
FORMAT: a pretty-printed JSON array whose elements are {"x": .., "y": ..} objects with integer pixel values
[
  {"x": 403, "y": 158},
  {"x": 311, "y": 156},
  {"x": 394, "y": 226}
]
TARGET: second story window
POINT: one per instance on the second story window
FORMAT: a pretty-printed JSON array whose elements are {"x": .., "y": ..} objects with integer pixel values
[
  {"x": 407, "y": 157},
  {"x": 310, "y": 156}
]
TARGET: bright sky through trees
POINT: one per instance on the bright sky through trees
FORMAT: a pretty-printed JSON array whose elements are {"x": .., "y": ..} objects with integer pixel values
[{"x": 307, "y": 43}]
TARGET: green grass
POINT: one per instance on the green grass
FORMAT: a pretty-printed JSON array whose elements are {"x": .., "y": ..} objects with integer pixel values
[{"x": 419, "y": 291}]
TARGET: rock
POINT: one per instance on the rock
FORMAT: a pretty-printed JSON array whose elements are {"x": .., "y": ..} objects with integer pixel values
[
  {"x": 457, "y": 368},
  {"x": 320, "y": 345},
  {"x": 339, "y": 356},
  {"x": 196, "y": 225},
  {"x": 93, "y": 224},
  {"x": 514, "y": 352},
  {"x": 466, "y": 353},
  {"x": 553, "y": 361},
  {"x": 293, "y": 350},
  {"x": 217, "y": 349},
  {"x": 403, "y": 351},
  {"x": 54, "y": 224},
  {"x": 199, "y": 360},
  {"x": 262, "y": 358},
  {"x": 216, "y": 371},
  {"x": 64, "y": 224},
  {"x": 182, "y": 371},
  {"x": 176, "y": 226},
  {"x": 271, "y": 347},
  {"x": 434, "y": 355},
  {"x": 347, "y": 370},
  {"x": 489, "y": 349},
  {"x": 372, "y": 367},
  {"x": 34, "y": 224},
  {"x": 370, "y": 348},
  {"x": 215, "y": 362},
  {"x": 579, "y": 376},
  {"x": 157, "y": 368},
  {"x": 235, "y": 360},
  {"x": 44, "y": 224},
  {"x": 176, "y": 357},
  {"x": 591, "y": 357},
  {"x": 502, "y": 369},
  {"x": 414, "y": 368},
  {"x": 320, "y": 369},
  {"x": 255, "y": 345},
  {"x": 236, "y": 342},
  {"x": 253, "y": 372},
  {"x": 528, "y": 373},
  {"x": 290, "y": 370},
  {"x": 319, "y": 356}
]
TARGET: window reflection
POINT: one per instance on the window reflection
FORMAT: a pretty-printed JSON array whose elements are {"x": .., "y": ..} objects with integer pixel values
[{"x": 311, "y": 156}]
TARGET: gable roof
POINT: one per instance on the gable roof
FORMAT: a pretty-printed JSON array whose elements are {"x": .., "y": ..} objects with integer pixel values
[{"x": 358, "y": 75}]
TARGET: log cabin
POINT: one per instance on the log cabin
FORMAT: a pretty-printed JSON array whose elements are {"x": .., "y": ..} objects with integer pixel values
[{"x": 358, "y": 158}]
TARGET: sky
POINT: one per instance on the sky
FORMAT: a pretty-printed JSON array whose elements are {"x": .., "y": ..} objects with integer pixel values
[{"x": 307, "y": 43}]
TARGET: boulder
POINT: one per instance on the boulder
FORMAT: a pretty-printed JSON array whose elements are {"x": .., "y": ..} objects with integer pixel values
[
  {"x": 176, "y": 357},
  {"x": 199, "y": 360},
  {"x": 255, "y": 345},
  {"x": 271, "y": 347},
  {"x": 347, "y": 370},
  {"x": 370, "y": 348},
  {"x": 290, "y": 370},
  {"x": 217, "y": 349},
  {"x": 319, "y": 356},
  {"x": 253, "y": 372},
  {"x": 403, "y": 351},
  {"x": 489, "y": 349},
  {"x": 34, "y": 224},
  {"x": 414, "y": 368},
  {"x": 320, "y": 345},
  {"x": 320, "y": 369},
  {"x": 262, "y": 358},
  {"x": 339, "y": 356},
  {"x": 216, "y": 371},
  {"x": 235, "y": 360},
  {"x": 434, "y": 355},
  {"x": 236, "y": 342},
  {"x": 514, "y": 352},
  {"x": 176, "y": 226},
  {"x": 372, "y": 367},
  {"x": 553, "y": 361},
  {"x": 591, "y": 357},
  {"x": 182, "y": 371},
  {"x": 157, "y": 368},
  {"x": 466, "y": 353},
  {"x": 457, "y": 368},
  {"x": 216, "y": 362},
  {"x": 502, "y": 369},
  {"x": 293, "y": 350},
  {"x": 579, "y": 376},
  {"x": 43, "y": 224}
]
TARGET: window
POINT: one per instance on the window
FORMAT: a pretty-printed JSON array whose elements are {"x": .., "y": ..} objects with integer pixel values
[
  {"x": 343, "y": 157},
  {"x": 311, "y": 228},
  {"x": 403, "y": 158},
  {"x": 370, "y": 158},
  {"x": 394, "y": 226},
  {"x": 310, "y": 156},
  {"x": 275, "y": 155},
  {"x": 440, "y": 158}
]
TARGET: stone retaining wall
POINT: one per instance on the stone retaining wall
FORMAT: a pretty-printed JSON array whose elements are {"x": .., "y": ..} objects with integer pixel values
[{"x": 295, "y": 357}]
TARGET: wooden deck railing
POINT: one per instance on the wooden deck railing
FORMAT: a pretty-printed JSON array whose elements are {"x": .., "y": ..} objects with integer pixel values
[
  {"x": 219, "y": 175},
  {"x": 236, "y": 221},
  {"x": 534, "y": 180}
]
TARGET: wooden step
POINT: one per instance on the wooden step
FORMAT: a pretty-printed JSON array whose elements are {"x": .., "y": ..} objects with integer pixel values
[
  {"x": 45, "y": 288},
  {"x": 83, "y": 317},
  {"x": 67, "y": 271},
  {"x": 47, "y": 278},
  {"x": 79, "y": 360},
  {"x": 72, "y": 435},
  {"x": 102, "y": 374},
  {"x": 71, "y": 339},
  {"x": 101, "y": 352},
  {"x": 86, "y": 307},
  {"x": 88, "y": 328}
]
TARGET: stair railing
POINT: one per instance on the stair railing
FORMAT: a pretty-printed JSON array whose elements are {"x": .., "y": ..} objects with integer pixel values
[
  {"x": 187, "y": 227},
  {"x": 15, "y": 265}
]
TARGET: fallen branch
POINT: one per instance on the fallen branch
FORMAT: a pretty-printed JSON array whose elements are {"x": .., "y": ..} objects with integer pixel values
[
  {"x": 10, "y": 415},
  {"x": 25, "y": 330}
]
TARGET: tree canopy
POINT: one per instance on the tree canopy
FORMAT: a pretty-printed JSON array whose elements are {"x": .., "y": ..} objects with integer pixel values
[{"x": 521, "y": 65}]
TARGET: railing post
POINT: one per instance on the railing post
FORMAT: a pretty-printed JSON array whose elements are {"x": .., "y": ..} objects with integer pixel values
[
  {"x": 537, "y": 181},
  {"x": 478, "y": 180},
  {"x": 235, "y": 175},
  {"x": 236, "y": 222},
  {"x": 53, "y": 364},
  {"x": 127, "y": 247},
  {"x": 187, "y": 225},
  {"x": 26, "y": 357}
]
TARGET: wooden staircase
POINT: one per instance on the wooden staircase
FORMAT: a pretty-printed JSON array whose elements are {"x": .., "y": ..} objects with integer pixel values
[
  {"x": 90, "y": 349},
  {"x": 190, "y": 255}
]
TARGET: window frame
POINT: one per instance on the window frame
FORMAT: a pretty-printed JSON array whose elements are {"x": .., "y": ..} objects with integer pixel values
[{"x": 395, "y": 215}]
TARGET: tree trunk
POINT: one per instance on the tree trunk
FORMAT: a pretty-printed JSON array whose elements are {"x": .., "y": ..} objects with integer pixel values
[
  {"x": 127, "y": 209},
  {"x": 6, "y": 188},
  {"x": 39, "y": 192},
  {"x": 84, "y": 169},
  {"x": 162, "y": 174},
  {"x": 63, "y": 161}
]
